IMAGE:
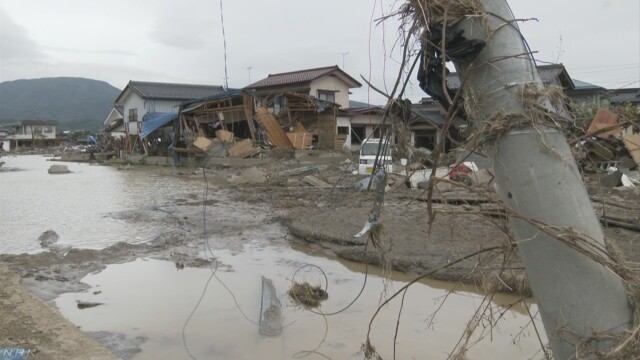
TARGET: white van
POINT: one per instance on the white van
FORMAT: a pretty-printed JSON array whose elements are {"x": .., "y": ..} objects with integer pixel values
[{"x": 368, "y": 153}]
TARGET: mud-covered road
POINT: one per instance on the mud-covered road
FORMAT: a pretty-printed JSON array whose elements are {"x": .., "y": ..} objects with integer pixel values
[{"x": 243, "y": 203}]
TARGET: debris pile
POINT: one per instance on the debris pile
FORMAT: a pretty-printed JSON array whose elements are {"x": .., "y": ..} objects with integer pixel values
[
  {"x": 610, "y": 146},
  {"x": 307, "y": 295}
]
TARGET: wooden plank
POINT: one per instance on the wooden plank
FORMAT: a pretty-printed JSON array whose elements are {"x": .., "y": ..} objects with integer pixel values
[
  {"x": 243, "y": 149},
  {"x": 632, "y": 143},
  {"x": 224, "y": 136},
  {"x": 604, "y": 118},
  {"x": 275, "y": 134},
  {"x": 202, "y": 143},
  {"x": 247, "y": 104},
  {"x": 300, "y": 140}
]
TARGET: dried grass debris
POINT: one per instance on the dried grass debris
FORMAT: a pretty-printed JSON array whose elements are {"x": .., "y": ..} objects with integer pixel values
[{"x": 307, "y": 295}]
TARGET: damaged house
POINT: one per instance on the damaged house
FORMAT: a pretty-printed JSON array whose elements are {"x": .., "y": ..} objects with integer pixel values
[
  {"x": 305, "y": 102},
  {"x": 220, "y": 125},
  {"x": 143, "y": 113}
]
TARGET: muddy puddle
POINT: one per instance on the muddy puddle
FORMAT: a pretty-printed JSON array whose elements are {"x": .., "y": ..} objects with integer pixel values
[{"x": 151, "y": 299}]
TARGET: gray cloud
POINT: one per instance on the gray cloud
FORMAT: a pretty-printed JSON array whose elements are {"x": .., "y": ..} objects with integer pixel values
[
  {"x": 15, "y": 43},
  {"x": 89, "y": 51},
  {"x": 184, "y": 27}
]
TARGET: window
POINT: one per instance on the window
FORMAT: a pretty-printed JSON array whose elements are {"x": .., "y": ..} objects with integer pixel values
[
  {"x": 37, "y": 130},
  {"x": 133, "y": 115},
  {"x": 48, "y": 129},
  {"x": 327, "y": 95},
  {"x": 343, "y": 130}
]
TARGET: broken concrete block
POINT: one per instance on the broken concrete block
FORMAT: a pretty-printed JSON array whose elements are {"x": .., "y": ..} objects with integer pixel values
[
  {"x": 307, "y": 170},
  {"x": 59, "y": 169},
  {"x": 314, "y": 181},
  {"x": 217, "y": 149},
  {"x": 48, "y": 238},
  {"x": 481, "y": 178},
  {"x": 611, "y": 180}
]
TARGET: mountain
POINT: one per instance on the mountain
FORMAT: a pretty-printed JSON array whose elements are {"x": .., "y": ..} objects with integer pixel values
[{"x": 75, "y": 103}]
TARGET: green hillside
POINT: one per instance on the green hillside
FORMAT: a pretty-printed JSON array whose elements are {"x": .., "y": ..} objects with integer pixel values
[{"x": 75, "y": 103}]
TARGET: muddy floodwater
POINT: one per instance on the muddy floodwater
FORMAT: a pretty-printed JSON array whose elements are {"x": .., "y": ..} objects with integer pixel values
[{"x": 147, "y": 301}]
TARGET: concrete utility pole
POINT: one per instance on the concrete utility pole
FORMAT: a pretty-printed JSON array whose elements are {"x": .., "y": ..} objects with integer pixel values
[{"x": 577, "y": 297}]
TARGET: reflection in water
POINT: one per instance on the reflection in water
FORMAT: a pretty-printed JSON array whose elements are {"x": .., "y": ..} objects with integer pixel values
[{"x": 152, "y": 299}]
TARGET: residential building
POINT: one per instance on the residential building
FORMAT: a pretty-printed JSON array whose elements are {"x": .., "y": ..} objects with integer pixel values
[
  {"x": 140, "y": 98},
  {"x": 326, "y": 83},
  {"x": 585, "y": 93},
  {"x": 31, "y": 133},
  {"x": 310, "y": 98}
]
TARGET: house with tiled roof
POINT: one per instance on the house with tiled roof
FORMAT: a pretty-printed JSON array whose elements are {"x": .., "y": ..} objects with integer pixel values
[
  {"x": 325, "y": 86},
  {"x": 325, "y": 83},
  {"x": 140, "y": 98}
]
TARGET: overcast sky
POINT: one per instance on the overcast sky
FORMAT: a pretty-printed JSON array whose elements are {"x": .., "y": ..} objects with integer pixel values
[{"x": 181, "y": 41}]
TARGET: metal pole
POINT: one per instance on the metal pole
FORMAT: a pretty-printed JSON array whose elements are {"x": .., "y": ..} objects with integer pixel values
[{"x": 537, "y": 176}]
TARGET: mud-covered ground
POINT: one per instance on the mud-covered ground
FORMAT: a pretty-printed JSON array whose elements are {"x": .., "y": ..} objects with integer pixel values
[{"x": 272, "y": 191}]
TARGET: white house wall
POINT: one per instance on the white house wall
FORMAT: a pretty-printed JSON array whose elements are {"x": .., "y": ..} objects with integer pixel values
[
  {"x": 332, "y": 83},
  {"x": 133, "y": 101},
  {"x": 24, "y": 133}
]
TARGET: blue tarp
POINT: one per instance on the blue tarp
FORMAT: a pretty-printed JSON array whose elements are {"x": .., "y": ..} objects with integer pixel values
[{"x": 154, "y": 121}]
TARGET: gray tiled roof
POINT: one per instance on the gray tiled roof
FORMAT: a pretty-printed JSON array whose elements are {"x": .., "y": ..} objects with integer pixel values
[
  {"x": 625, "y": 95},
  {"x": 547, "y": 73},
  {"x": 302, "y": 76},
  {"x": 168, "y": 91}
]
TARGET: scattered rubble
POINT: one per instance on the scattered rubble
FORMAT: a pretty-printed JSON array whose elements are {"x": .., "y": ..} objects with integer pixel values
[{"x": 59, "y": 169}]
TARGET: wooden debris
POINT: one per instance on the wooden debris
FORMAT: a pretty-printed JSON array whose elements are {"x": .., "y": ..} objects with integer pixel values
[
  {"x": 224, "y": 136},
  {"x": 300, "y": 140},
  {"x": 314, "y": 181},
  {"x": 202, "y": 143},
  {"x": 243, "y": 149},
  {"x": 604, "y": 119},
  {"x": 632, "y": 143},
  {"x": 275, "y": 134}
]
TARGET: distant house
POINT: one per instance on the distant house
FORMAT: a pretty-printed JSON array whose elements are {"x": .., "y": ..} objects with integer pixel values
[
  {"x": 358, "y": 122},
  {"x": 140, "y": 98},
  {"x": 585, "y": 93},
  {"x": 114, "y": 123},
  {"x": 31, "y": 133},
  {"x": 623, "y": 96}
]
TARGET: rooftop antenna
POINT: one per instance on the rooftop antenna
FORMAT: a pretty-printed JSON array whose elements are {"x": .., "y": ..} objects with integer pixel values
[{"x": 343, "y": 55}]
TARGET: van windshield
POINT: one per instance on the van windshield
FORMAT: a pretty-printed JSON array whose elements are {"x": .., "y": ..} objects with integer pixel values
[{"x": 371, "y": 149}]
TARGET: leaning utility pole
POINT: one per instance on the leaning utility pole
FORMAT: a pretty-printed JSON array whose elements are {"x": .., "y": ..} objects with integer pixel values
[{"x": 581, "y": 301}]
